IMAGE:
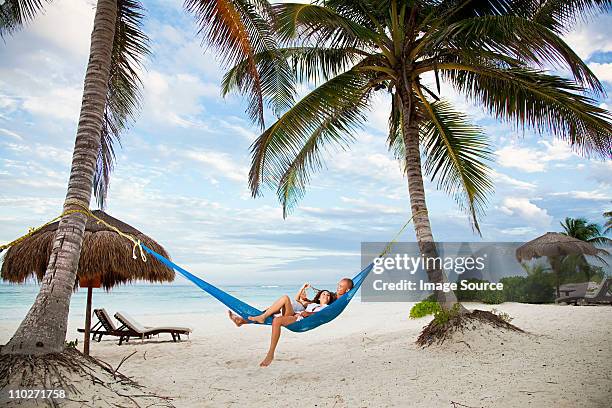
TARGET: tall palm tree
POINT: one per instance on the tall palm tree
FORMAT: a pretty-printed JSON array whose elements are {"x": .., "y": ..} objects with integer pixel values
[
  {"x": 110, "y": 98},
  {"x": 582, "y": 229},
  {"x": 608, "y": 224},
  {"x": 110, "y": 95},
  {"x": 493, "y": 52}
]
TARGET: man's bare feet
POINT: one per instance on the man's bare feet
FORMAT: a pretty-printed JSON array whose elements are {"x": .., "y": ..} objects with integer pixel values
[
  {"x": 266, "y": 361},
  {"x": 238, "y": 321},
  {"x": 259, "y": 319}
]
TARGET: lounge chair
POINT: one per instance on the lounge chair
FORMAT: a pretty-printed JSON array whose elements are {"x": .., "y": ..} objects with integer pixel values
[
  {"x": 572, "y": 293},
  {"x": 131, "y": 328},
  {"x": 104, "y": 327},
  {"x": 601, "y": 294}
]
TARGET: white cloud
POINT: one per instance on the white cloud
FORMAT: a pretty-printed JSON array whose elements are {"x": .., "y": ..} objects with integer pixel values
[
  {"x": 585, "y": 195},
  {"x": 11, "y": 134},
  {"x": 525, "y": 209},
  {"x": 591, "y": 37},
  {"x": 66, "y": 24},
  {"x": 602, "y": 71},
  {"x": 176, "y": 98},
  {"x": 533, "y": 160},
  {"x": 510, "y": 181},
  {"x": 518, "y": 231},
  {"x": 222, "y": 164},
  {"x": 60, "y": 103}
]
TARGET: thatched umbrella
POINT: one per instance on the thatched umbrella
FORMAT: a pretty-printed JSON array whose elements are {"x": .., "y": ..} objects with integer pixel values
[
  {"x": 555, "y": 246},
  {"x": 106, "y": 259}
]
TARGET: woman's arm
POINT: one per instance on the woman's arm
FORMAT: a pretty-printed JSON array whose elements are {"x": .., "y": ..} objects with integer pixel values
[{"x": 300, "y": 296}]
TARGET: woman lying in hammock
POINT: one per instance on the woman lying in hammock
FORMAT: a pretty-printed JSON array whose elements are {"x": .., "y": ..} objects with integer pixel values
[{"x": 286, "y": 316}]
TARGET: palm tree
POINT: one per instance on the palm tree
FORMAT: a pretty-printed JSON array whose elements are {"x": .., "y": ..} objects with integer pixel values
[
  {"x": 110, "y": 98},
  {"x": 492, "y": 52},
  {"x": 608, "y": 224},
  {"x": 583, "y": 230},
  {"x": 535, "y": 269}
]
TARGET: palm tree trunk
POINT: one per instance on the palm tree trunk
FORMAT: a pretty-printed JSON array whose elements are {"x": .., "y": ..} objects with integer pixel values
[
  {"x": 416, "y": 190},
  {"x": 44, "y": 328}
]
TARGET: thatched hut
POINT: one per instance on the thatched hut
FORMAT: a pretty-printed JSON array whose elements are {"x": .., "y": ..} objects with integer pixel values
[
  {"x": 555, "y": 246},
  {"x": 106, "y": 259}
]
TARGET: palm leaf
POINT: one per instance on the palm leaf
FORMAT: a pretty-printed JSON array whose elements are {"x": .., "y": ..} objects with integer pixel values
[
  {"x": 14, "y": 14},
  {"x": 456, "y": 157},
  {"x": 546, "y": 103},
  {"x": 516, "y": 37},
  {"x": 284, "y": 154},
  {"x": 238, "y": 29},
  {"x": 562, "y": 15},
  {"x": 279, "y": 69},
  {"x": 321, "y": 25},
  {"x": 130, "y": 47}
]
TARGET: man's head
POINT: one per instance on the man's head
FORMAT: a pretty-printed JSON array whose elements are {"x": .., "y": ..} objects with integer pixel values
[{"x": 344, "y": 286}]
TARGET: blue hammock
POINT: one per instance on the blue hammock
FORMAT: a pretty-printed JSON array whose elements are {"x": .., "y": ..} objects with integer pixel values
[{"x": 244, "y": 310}]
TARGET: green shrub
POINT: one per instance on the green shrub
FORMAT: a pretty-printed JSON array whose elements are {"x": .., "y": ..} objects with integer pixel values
[
  {"x": 442, "y": 316},
  {"x": 514, "y": 288},
  {"x": 469, "y": 295},
  {"x": 536, "y": 288},
  {"x": 492, "y": 297},
  {"x": 424, "y": 308}
]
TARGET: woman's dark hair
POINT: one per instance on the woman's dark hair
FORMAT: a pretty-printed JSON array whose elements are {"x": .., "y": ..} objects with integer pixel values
[{"x": 332, "y": 297}]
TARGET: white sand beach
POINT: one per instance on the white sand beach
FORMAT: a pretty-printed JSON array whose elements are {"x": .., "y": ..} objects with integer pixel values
[{"x": 367, "y": 358}]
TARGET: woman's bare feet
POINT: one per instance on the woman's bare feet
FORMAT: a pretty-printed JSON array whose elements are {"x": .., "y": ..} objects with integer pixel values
[
  {"x": 259, "y": 319},
  {"x": 238, "y": 321},
  {"x": 266, "y": 361}
]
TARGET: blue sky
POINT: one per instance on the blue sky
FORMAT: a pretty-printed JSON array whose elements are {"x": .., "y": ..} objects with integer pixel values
[{"x": 181, "y": 173}]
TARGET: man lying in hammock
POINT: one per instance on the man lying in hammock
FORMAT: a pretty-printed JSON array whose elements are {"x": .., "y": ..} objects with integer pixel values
[{"x": 288, "y": 315}]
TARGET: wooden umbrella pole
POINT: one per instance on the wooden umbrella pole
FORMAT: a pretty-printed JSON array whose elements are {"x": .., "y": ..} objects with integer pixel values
[{"x": 87, "y": 321}]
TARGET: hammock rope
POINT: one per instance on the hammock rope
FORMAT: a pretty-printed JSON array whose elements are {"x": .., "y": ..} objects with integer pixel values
[
  {"x": 86, "y": 211},
  {"x": 238, "y": 306}
]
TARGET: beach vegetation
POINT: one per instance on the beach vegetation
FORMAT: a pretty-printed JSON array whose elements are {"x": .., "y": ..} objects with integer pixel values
[
  {"x": 424, "y": 308},
  {"x": 493, "y": 53}
]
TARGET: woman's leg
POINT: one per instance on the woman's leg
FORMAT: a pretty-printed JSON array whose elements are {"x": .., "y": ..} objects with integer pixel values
[
  {"x": 282, "y": 304},
  {"x": 277, "y": 324},
  {"x": 238, "y": 320}
]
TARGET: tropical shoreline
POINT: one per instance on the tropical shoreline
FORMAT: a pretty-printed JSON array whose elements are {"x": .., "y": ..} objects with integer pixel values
[{"x": 367, "y": 357}]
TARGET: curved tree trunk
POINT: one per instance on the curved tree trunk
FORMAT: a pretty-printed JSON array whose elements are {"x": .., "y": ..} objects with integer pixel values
[
  {"x": 44, "y": 328},
  {"x": 416, "y": 190}
]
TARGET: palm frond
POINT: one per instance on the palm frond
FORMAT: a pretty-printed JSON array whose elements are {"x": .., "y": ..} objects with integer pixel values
[
  {"x": 395, "y": 141},
  {"x": 238, "y": 29},
  {"x": 321, "y": 25},
  {"x": 286, "y": 152},
  {"x": 14, "y": 14},
  {"x": 516, "y": 37},
  {"x": 280, "y": 68},
  {"x": 276, "y": 78},
  {"x": 562, "y": 15},
  {"x": 608, "y": 224},
  {"x": 457, "y": 154},
  {"x": 545, "y": 103},
  {"x": 130, "y": 47}
]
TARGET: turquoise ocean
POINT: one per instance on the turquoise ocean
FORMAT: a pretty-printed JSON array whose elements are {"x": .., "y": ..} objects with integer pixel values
[{"x": 143, "y": 299}]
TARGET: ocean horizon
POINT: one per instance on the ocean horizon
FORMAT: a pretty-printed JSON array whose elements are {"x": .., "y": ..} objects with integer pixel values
[{"x": 145, "y": 299}]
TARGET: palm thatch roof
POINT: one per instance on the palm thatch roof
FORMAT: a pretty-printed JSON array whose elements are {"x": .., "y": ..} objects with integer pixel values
[
  {"x": 554, "y": 244},
  {"x": 105, "y": 255}
]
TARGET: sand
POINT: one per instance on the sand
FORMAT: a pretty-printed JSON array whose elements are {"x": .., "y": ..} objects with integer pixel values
[{"x": 367, "y": 358}]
